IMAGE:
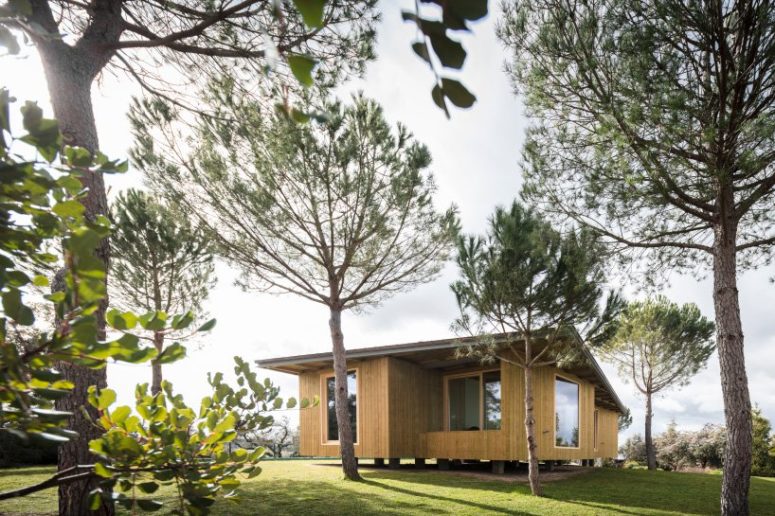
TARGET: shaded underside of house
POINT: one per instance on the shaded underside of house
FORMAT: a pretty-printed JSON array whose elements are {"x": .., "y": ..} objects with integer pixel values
[{"x": 408, "y": 404}]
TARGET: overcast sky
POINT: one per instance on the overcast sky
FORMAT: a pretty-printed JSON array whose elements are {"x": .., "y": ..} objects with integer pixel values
[{"x": 476, "y": 166}]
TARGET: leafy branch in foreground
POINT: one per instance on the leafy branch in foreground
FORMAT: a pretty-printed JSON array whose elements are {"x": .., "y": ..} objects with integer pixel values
[
  {"x": 433, "y": 40},
  {"x": 41, "y": 208},
  {"x": 167, "y": 443},
  {"x": 164, "y": 442}
]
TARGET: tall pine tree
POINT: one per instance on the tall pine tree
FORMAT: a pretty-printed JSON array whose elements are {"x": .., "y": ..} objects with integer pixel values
[
  {"x": 338, "y": 211},
  {"x": 161, "y": 265},
  {"x": 654, "y": 126}
]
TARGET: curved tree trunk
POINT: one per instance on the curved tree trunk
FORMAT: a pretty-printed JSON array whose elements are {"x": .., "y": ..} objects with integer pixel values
[
  {"x": 532, "y": 445},
  {"x": 156, "y": 376},
  {"x": 69, "y": 74},
  {"x": 734, "y": 381},
  {"x": 346, "y": 447},
  {"x": 651, "y": 453}
]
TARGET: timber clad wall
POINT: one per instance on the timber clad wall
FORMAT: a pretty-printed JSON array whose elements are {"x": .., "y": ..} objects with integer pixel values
[{"x": 401, "y": 414}]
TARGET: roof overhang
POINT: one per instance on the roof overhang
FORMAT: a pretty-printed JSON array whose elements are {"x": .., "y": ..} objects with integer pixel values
[{"x": 440, "y": 354}]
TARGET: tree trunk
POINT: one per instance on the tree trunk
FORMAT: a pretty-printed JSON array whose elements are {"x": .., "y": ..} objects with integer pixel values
[
  {"x": 346, "y": 448},
  {"x": 651, "y": 453},
  {"x": 69, "y": 74},
  {"x": 734, "y": 381},
  {"x": 532, "y": 446},
  {"x": 156, "y": 377}
]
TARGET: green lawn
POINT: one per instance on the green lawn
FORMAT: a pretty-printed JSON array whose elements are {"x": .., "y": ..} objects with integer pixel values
[{"x": 312, "y": 487}]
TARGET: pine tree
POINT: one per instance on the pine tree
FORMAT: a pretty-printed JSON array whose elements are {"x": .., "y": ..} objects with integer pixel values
[
  {"x": 338, "y": 211},
  {"x": 524, "y": 276},
  {"x": 161, "y": 265},
  {"x": 658, "y": 345},
  {"x": 654, "y": 127}
]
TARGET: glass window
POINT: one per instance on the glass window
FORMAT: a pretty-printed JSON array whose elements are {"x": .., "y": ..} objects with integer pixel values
[
  {"x": 464, "y": 402},
  {"x": 566, "y": 407},
  {"x": 352, "y": 394},
  {"x": 492, "y": 400}
]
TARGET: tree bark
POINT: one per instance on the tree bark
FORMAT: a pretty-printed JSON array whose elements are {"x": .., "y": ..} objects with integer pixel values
[
  {"x": 70, "y": 72},
  {"x": 156, "y": 376},
  {"x": 346, "y": 447},
  {"x": 734, "y": 381},
  {"x": 651, "y": 453},
  {"x": 532, "y": 445}
]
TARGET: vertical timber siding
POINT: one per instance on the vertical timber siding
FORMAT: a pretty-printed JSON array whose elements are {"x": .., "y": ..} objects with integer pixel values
[
  {"x": 401, "y": 414},
  {"x": 372, "y": 401},
  {"x": 415, "y": 407}
]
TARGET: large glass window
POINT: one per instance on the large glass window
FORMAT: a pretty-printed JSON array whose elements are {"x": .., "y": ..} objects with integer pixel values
[
  {"x": 475, "y": 402},
  {"x": 566, "y": 408},
  {"x": 352, "y": 398},
  {"x": 464, "y": 402},
  {"x": 492, "y": 400}
]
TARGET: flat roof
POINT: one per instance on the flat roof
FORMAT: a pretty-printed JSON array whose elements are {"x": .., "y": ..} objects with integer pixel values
[{"x": 439, "y": 354}]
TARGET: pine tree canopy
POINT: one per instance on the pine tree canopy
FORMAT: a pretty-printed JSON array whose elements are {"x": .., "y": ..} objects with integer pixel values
[{"x": 160, "y": 262}]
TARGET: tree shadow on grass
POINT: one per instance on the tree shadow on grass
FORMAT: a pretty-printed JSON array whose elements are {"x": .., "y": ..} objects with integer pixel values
[
  {"x": 460, "y": 501},
  {"x": 302, "y": 497},
  {"x": 27, "y": 471},
  {"x": 629, "y": 492}
]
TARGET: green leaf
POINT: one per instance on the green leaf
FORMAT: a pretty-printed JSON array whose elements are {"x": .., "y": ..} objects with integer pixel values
[
  {"x": 119, "y": 414},
  {"x": 182, "y": 321},
  {"x": 40, "y": 281},
  {"x": 15, "y": 309},
  {"x": 451, "y": 53},
  {"x": 468, "y": 9},
  {"x": 69, "y": 209},
  {"x": 291, "y": 403},
  {"x": 209, "y": 325},
  {"x": 171, "y": 353},
  {"x": 102, "y": 471},
  {"x": 52, "y": 394},
  {"x": 153, "y": 320},
  {"x": 457, "y": 93},
  {"x": 105, "y": 398},
  {"x": 438, "y": 97},
  {"x": 421, "y": 49},
  {"x": 95, "y": 499},
  {"x": 311, "y": 12},
  {"x": 302, "y": 67}
]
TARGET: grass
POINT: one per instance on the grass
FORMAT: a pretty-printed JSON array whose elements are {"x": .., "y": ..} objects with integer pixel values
[{"x": 314, "y": 487}]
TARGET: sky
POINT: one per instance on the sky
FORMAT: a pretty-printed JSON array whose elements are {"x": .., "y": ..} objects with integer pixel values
[{"x": 476, "y": 158}]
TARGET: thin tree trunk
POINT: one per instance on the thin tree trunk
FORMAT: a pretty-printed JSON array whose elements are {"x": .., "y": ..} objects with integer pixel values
[
  {"x": 346, "y": 447},
  {"x": 734, "y": 381},
  {"x": 69, "y": 74},
  {"x": 156, "y": 376},
  {"x": 651, "y": 453},
  {"x": 532, "y": 445}
]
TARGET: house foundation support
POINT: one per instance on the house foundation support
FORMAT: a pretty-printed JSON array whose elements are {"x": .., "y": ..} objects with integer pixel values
[
  {"x": 443, "y": 464},
  {"x": 394, "y": 463},
  {"x": 498, "y": 467},
  {"x": 379, "y": 462},
  {"x": 419, "y": 463}
]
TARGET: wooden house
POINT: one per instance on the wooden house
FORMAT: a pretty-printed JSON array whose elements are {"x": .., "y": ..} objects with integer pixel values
[{"x": 421, "y": 400}]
